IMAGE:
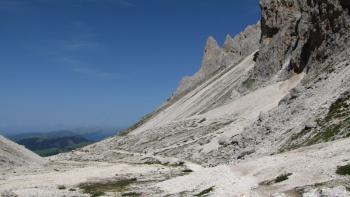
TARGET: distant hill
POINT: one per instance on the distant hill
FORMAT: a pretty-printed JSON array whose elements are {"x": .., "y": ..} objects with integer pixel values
[
  {"x": 50, "y": 146},
  {"x": 55, "y": 142}
]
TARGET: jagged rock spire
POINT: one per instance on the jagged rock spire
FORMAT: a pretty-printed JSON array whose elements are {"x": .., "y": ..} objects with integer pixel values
[
  {"x": 229, "y": 43},
  {"x": 212, "y": 52},
  {"x": 216, "y": 58},
  {"x": 211, "y": 43}
]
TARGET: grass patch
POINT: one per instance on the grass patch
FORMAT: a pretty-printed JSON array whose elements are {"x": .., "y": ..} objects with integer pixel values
[
  {"x": 278, "y": 179},
  {"x": 337, "y": 122},
  {"x": 131, "y": 194},
  {"x": 343, "y": 170},
  {"x": 187, "y": 171},
  {"x": 72, "y": 190},
  {"x": 99, "y": 188},
  {"x": 97, "y": 193},
  {"x": 249, "y": 83},
  {"x": 335, "y": 125},
  {"x": 282, "y": 177},
  {"x": 206, "y": 191},
  {"x": 61, "y": 187},
  {"x": 124, "y": 133}
]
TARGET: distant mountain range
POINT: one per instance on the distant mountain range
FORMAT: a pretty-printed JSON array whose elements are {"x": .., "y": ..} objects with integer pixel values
[{"x": 55, "y": 142}]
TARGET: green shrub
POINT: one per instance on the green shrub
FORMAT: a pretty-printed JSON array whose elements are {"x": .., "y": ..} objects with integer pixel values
[
  {"x": 249, "y": 83},
  {"x": 343, "y": 170},
  {"x": 282, "y": 177},
  {"x": 97, "y": 193},
  {"x": 187, "y": 171},
  {"x": 206, "y": 191},
  {"x": 131, "y": 194},
  {"x": 61, "y": 187}
]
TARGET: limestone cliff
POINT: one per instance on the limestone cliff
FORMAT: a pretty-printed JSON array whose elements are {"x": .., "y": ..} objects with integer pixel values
[{"x": 299, "y": 34}]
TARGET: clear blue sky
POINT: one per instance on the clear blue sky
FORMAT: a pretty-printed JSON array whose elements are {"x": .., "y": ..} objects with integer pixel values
[{"x": 72, "y": 63}]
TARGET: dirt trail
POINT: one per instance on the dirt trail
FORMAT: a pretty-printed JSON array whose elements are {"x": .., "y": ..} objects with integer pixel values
[{"x": 308, "y": 166}]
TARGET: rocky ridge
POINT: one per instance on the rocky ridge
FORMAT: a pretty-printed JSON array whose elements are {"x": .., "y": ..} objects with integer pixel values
[
  {"x": 266, "y": 115},
  {"x": 217, "y": 59}
]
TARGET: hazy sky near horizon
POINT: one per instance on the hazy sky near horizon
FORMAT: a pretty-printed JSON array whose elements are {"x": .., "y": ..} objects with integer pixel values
[{"x": 74, "y": 63}]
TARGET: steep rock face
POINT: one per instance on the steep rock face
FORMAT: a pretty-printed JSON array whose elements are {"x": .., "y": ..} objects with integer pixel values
[
  {"x": 299, "y": 33},
  {"x": 217, "y": 58},
  {"x": 300, "y": 36}
]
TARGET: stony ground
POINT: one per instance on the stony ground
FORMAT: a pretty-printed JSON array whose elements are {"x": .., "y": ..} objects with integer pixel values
[{"x": 308, "y": 171}]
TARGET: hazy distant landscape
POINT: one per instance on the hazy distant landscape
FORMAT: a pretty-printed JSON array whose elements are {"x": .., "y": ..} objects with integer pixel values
[{"x": 54, "y": 142}]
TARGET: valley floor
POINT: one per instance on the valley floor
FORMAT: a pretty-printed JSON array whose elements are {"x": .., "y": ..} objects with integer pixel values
[{"x": 302, "y": 172}]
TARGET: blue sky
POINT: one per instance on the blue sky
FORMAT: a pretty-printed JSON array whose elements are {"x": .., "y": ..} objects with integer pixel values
[{"x": 74, "y": 63}]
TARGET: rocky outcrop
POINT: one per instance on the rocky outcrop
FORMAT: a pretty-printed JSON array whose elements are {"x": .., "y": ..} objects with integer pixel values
[
  {"x": 213, "y": 60},
  {"x": 299, "y": 34},
  {"x": 244, "y": 43},
  {"x": 217, "y": 58}
]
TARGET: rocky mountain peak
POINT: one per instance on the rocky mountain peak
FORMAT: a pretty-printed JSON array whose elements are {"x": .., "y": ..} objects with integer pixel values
[
  {"x": 229, "y": 43},
  {"x": 211, "y": 44},
  {"x": 212, "y": 55},
  {"x": 216, "y": 58}
]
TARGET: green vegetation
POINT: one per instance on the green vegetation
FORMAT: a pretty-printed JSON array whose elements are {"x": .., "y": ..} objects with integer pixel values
[
  {"x": 335, "y": 125},
  {"x": 187, "y": 171},
  {"x": 282, "y": 177},
  {"x": 206, "y": 191},
  {"x": 55, "y": 151},
  {"x": 99, "y": 188},
  {"x": 343, "y": 170},
  {"x": 278, "y": 179},
  {"x": 131, "y": 194},
  {"x": 98, "y": 193},
  {"x": 249, "y": 83},
  {"x": 61, "y": 187},
  {"x": 48, "y": 152},
  {"x": 45, "y": 146},
  {"x": 337, "y": 122},
  {"x": 72, "y": 190},
  {"x": 55, "y": 142}
]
